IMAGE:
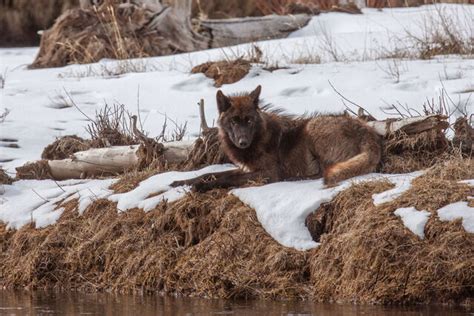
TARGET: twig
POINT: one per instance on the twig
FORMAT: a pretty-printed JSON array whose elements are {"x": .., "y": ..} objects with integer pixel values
[
  {"x": 75, "y": 105},
  {"x": 202, "y": 115},
  {"x": 351, "y": 102}
]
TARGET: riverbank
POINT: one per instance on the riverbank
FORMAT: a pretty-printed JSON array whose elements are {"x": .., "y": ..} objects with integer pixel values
[{"x": 212, "y": 245}]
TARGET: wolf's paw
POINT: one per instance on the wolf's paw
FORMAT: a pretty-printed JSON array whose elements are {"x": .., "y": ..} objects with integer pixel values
[
  {"x": 330, "y": 182},
  {"x": 202, "y": 186},
  {"x": 183, "y": 183}
]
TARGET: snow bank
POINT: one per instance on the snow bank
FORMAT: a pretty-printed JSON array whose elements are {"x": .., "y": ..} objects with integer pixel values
[
  {"x": 144, "y": 195},
  {"x": 282, "y": 207},
  {"x": 456, "y": 211},
  {"x": 413, "y": 219},
  {"x": 35, "y": 201}
]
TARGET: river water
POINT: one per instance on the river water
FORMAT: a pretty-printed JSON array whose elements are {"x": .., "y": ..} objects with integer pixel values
[{"x": 47, "y": 303}]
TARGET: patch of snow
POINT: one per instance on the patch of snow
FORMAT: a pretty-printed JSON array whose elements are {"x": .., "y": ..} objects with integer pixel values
[
  {"x": 402, "y": 184},
  {"x": 36, "y": 201},
  {"x": 160, "y": 183},
  {"x": 458, "y": 210},
  {"x": 413, "y": 219},
  {"x": 282, "y": 207}
]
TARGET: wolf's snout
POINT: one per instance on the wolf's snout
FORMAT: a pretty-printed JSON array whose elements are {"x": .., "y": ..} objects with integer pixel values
[{"x": 243, "y": 143}]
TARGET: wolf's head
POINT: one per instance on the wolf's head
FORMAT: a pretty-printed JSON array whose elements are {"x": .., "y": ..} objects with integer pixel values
[{"x": 239, "y": 116}]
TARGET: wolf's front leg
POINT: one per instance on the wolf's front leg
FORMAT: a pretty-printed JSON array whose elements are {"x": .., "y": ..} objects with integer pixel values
[
  {"x": 236, "y": 179},
  {"x": 207, "y": 180},
  {"x": 227, "y": 179}
]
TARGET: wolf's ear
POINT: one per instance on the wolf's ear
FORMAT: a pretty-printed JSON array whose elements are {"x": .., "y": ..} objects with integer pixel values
[
  {"x": 255, "y": 95},
  {"x": 223, "y": 102}
]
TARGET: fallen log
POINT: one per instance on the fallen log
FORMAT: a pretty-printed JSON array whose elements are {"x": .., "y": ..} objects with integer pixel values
[
  {"x": 227, "y": 32},
  {"x": 410, "y": 125},
  {"x": 101, "y": 162}
]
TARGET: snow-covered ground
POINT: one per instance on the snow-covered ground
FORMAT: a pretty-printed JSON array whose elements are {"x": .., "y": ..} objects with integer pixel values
[{"x": 41, "y": 109}]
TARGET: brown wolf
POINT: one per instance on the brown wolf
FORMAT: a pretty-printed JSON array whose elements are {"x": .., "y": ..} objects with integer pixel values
[{"x": 268, "y": 145}]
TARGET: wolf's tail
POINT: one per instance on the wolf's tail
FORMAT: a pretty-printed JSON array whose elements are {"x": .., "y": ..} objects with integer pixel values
[{"x": 365, "y": 162}]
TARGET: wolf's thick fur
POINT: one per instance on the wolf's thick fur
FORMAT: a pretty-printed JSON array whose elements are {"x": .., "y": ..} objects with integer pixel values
[{"x": 268, "y": 145}]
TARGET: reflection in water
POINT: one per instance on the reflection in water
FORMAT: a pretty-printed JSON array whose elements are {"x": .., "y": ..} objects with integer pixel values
[{"x": 47, "y": 303}]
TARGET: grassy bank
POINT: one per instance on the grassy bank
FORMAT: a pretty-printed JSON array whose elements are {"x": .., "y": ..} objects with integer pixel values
[{"x": 212, "y": 245}]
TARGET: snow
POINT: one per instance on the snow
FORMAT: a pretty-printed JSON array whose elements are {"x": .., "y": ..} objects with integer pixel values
[
  {"x": 283, "y": 215},
  {"x": 35, "y": 201},
  {"x": 458, "y": 210},
  {"x": 413, "y": 219},
  {"x": 402, "y": 184},
  {"x": 143, "y": 196}
]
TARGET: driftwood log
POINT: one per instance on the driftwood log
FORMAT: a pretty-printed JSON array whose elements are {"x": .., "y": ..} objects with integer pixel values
[
  {"x": 410, "y": 125},
  {"x": 227, "y": 32},
  {"x": 102, "y": 162}
]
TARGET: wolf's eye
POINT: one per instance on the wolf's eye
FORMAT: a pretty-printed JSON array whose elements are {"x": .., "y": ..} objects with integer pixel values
[
  {"x": 234, "y": 120},
  {"x": 248, "y": 120}
]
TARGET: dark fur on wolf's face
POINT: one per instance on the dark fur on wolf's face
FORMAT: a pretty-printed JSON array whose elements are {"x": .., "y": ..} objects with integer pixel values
[{"x": 239, "y": 117}]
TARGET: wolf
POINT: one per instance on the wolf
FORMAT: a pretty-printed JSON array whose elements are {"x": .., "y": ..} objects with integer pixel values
[{"x": 268, "y": 145}]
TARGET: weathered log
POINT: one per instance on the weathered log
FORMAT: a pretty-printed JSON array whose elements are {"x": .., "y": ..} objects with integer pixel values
[
  {"x": 101, "y": 162},
  {"x": 410, "y": 125},
  {"x": 226, "y": 32}
]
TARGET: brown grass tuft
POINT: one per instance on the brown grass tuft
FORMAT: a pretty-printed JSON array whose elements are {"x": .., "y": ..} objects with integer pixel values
[
  {"x": 38, "y": 170},
  {"x": 64, "y": 147},
  {"x": 130, "y": 180},
  {"x": 4, "y": 177},
  {"x": 206, "y": 151},
  {"x": 224, "y": 71},
  {"x": 87, "y": 36},
  {"x": 407, "y": 153}
]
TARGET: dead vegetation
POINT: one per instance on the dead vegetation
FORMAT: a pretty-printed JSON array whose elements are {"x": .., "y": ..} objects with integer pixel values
[
  {"x": 212, "y": 245},
  {"x": 4, "y": 177},
  {"x": 224, "y": 71},
  {"x": 107, "y": 31},
  {"x": 367, "y": 250},
  {"x": 64, "y": 147},
  {"x": 442, "y": 33}
]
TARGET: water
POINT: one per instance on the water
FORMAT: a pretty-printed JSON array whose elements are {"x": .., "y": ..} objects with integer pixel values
[{"x": 46, "y": 303}]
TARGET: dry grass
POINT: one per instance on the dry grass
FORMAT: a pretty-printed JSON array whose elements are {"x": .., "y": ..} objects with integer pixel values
[
  {"x": 64, "y": 147},
  {"x": 404, "y": 153},
  {"x": 224, "y": 71},
  {"x": 206, "y": 151},
  {"x": 212, "y": 245},
  {"x": 367, "y": 255},
  {"x": 444, "y": 33},
  {"x": 86, "y": 36},
  {"x": 4, "y": 177},
  {"x": 148, "y": 251}
]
